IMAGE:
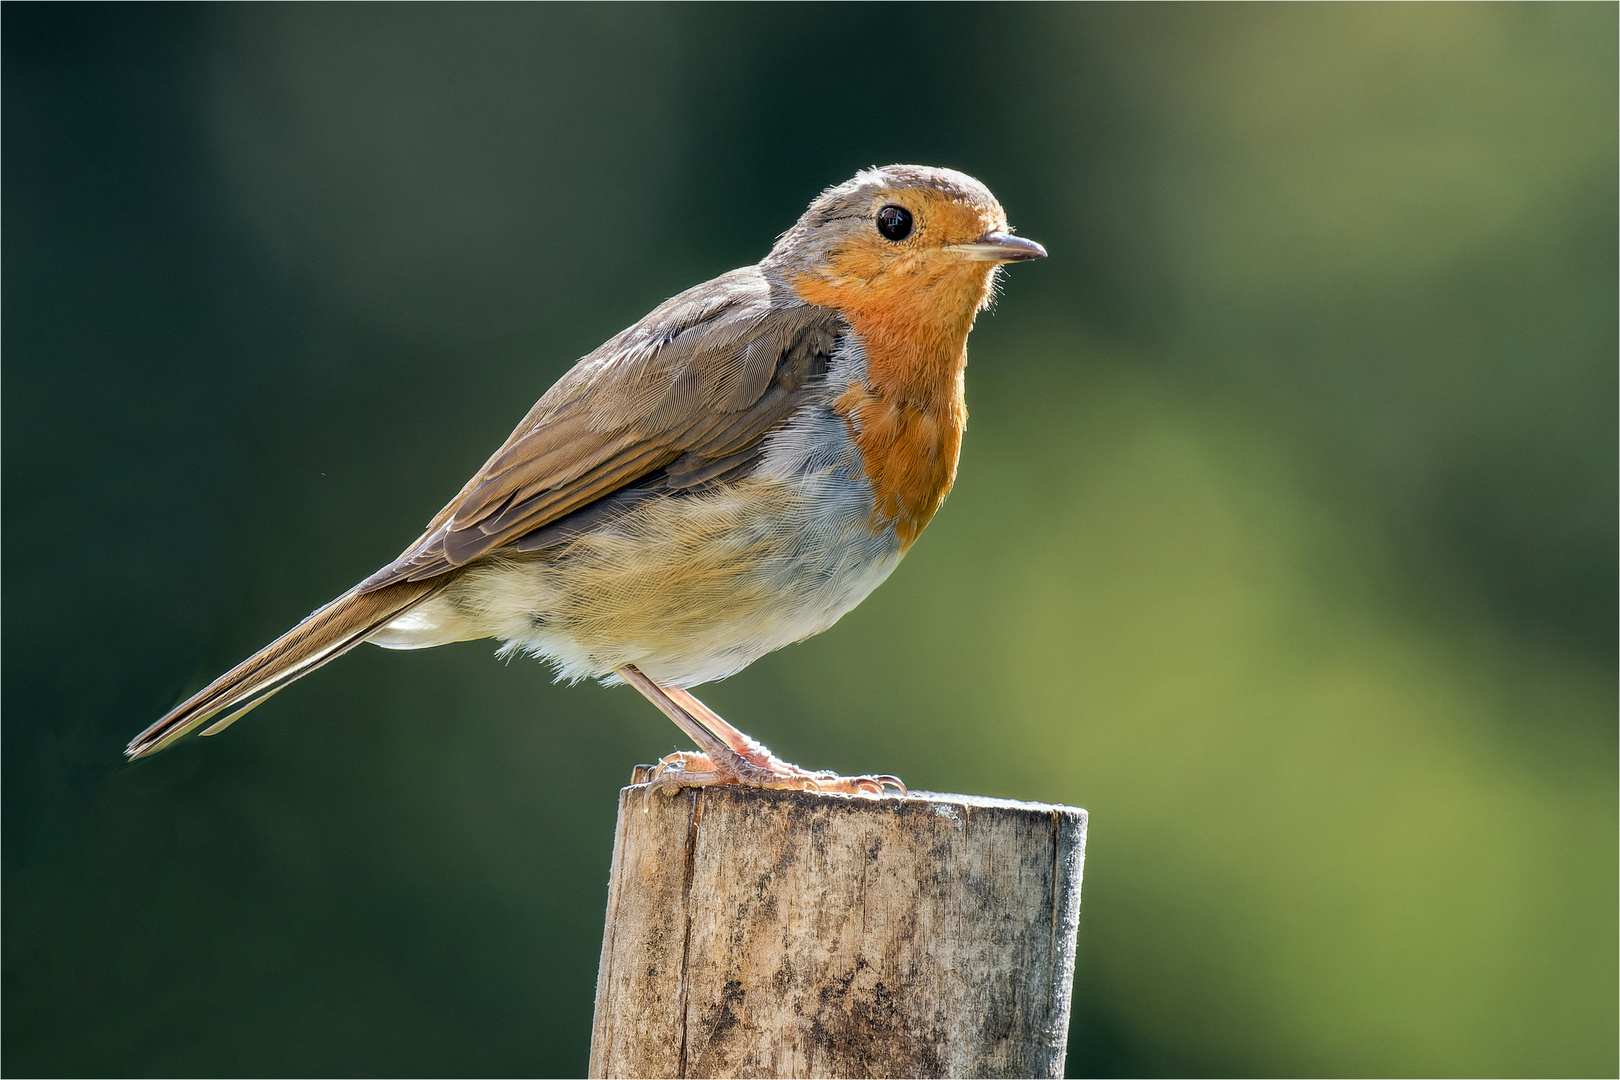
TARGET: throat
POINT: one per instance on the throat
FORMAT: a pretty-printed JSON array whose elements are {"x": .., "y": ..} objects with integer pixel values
[
  {"x": 908, "y": 416},
  {"x": 907, "y": 420}
]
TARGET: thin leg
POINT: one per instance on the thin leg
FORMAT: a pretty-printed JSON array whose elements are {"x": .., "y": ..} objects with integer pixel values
[
  {"x": 730, "y": 756},
  {"x": 742, "y": 743},
  {"x": 695, "y": 729},
  {"x": 757, "y": 753},
  {"x": 717, "y": 764}
]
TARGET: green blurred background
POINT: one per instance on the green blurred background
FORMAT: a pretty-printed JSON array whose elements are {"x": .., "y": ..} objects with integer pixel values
[{"x": 1284, "y": 539}]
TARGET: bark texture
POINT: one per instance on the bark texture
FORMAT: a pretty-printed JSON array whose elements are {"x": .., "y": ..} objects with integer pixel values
[{"x": 775, "y": 933}]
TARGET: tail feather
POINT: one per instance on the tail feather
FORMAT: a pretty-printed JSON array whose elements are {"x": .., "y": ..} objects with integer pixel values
[{"x": 327, "y": 634}]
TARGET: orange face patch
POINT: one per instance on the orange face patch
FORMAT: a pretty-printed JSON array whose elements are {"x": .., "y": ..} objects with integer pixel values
[{"x": 912, "y": 303}]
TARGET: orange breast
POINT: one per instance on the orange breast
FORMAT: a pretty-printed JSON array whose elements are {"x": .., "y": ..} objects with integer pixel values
[
  {"x": 909, "y": 450},
  {"x": 907, "y": 418}
]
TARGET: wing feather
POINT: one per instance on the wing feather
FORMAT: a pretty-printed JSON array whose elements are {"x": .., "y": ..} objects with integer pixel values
[{"x": 691, "y": 388}]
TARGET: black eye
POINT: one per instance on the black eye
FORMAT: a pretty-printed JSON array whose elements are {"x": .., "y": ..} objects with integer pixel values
[{"x": 894, "y": 222}]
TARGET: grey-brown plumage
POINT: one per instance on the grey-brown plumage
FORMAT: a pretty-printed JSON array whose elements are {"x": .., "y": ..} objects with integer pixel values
[
  {"x": 636, "y": 414},
  {"x": 636, "y": 406},
  {"x": 730, "y": 475},
  {"x": 325, "y": 635}
]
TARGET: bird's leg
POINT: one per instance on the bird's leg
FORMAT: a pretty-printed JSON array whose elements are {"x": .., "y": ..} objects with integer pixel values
[
  {"x": 716, "y": 764},
  {"x": 752, "y": 750},
  {"x": 729, "y": 756},
  {"x": 745, "y": 745}
]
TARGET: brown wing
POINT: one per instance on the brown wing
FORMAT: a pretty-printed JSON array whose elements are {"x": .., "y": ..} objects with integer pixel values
[{"x": 687, "y": 391}]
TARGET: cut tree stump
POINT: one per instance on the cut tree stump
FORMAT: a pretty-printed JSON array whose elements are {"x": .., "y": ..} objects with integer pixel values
[{"x": 785, "y": 933}]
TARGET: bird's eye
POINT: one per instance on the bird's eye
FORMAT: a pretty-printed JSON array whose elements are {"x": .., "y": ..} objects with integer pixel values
[{"x": 894, "y": 222}]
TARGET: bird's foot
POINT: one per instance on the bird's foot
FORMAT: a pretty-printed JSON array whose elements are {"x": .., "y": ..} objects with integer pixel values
[
  {"x": 731, "y": 757},
  {"x": 758, "y": 767}
]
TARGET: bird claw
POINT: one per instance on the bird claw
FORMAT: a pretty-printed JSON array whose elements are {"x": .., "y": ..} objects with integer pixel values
[
  {"x": 760, "y": 769},
  {"x": 883, "y": 781},
  {"x": 680, "y": 770},
  {"x": 849, "y": 785}
]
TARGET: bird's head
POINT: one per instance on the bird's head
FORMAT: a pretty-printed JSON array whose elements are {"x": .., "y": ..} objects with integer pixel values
[{"x": 904, "y": 242}]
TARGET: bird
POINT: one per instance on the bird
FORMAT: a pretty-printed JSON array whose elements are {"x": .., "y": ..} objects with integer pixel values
[{"x": 728, "y": 476}]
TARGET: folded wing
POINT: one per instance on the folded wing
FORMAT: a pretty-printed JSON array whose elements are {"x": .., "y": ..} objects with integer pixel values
[{"x": 685, "y": 393}]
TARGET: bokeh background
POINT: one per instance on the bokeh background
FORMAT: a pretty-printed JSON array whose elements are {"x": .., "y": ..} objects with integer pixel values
[{"x": 1284, "y": 540}]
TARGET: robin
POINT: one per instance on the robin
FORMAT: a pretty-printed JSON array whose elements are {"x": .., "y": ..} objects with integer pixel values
[{"x": 729, "y": 475}]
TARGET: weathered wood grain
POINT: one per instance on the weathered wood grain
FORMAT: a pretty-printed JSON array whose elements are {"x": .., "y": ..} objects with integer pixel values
[{"x": 774, "y": 933}]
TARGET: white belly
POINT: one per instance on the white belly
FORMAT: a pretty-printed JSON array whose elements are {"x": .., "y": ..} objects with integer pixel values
[{"x": 691, "y": 587}]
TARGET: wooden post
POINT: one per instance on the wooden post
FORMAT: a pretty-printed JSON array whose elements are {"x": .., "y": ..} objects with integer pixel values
[{"x": 783, "y": 933}]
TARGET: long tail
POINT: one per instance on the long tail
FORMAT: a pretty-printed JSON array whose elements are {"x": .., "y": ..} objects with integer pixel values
[{"x": 325, "y": 635}]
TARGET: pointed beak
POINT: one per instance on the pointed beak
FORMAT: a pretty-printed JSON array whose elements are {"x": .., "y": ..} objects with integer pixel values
[{"x": 998, "y": 247}]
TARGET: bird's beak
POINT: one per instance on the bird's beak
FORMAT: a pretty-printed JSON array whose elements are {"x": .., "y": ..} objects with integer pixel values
[{"x": 998, "y": 247}]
